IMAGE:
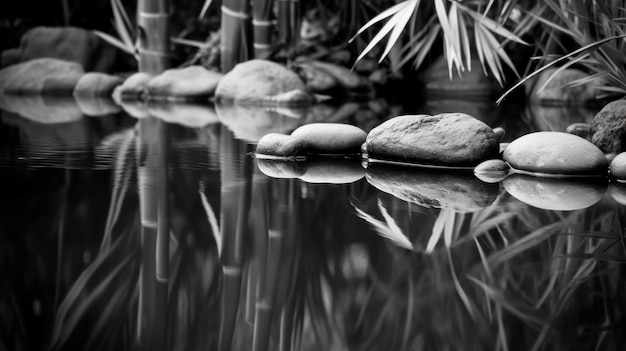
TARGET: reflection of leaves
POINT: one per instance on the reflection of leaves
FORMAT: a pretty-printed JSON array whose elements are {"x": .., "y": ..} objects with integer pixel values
[
  {"x": 105, "y": 285},
  {"x": 388, "y": 229}
]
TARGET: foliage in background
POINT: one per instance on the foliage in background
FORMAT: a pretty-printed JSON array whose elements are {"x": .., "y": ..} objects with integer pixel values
[
  {"x": 478, "y": 28},
  {"x": 588, "y": 35}
]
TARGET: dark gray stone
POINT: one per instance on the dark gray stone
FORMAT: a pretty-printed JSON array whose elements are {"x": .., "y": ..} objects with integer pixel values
[
  {"x": 70, "y": 44},
  {"x": 555, "y": 153},
  {"x": 609, "y": 127},
  {"x": 449, "y": 139}
]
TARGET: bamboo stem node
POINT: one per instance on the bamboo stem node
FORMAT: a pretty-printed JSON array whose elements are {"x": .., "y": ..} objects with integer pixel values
[{"x": 236, "y": 14}]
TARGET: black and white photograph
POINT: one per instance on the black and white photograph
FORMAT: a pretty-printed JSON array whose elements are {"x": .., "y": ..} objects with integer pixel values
[{"x": 313, "y": 175}]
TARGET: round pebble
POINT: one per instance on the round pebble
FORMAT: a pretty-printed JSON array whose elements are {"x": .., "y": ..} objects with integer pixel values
[
  {"x": 618, "y": 167},
  {"x": 555, "y": 153},
  {"x": 492, "y": 171}
]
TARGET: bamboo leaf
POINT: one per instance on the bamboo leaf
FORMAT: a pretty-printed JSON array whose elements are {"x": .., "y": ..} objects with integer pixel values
[
  {"x": 383, "y": 229},
  {"x": 377, "y": 38},
  {"x": 389, "y": 12},
  {"x": 492, "y": 26},
  {"x": 115, "y": 42},
  {"x": 205, "y": 8},
  {"x": 394, "y": 229},
  {"x": 400, "y": 21}
]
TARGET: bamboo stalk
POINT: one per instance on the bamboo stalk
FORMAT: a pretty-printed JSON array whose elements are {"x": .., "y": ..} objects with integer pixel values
[
  {"x": 262, "y": 24},
  {"x": 236, "y": 41},
  {"x": 153, "y": 38}
]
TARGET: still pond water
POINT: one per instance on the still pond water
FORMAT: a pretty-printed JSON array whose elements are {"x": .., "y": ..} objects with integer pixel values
[{"x": 164, "y": 233}]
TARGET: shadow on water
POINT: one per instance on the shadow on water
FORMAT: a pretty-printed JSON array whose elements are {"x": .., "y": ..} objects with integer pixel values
[{"x": 143, "y": 234}]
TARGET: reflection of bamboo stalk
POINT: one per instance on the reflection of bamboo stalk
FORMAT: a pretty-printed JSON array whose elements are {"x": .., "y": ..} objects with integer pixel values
[
  {"x": 152, "y": 314},
  {"x": 236, "y": 176}
]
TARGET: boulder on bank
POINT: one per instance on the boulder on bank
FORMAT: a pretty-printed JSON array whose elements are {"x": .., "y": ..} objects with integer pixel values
[
  {"x": 447, "y": 139},
  {"x": 41, "y": 76},
  {"x": 459, "y": 191},
  {"x": 189, "y": 83},
  {"x": 329, "y": 139},
  {"x": 555, "y": 153},
  {"x": 609, "y": 127},
  {"x": 69, "y": 44},
  {"x": 559, "y": 90},
  {"x": 256, "y": 82}
]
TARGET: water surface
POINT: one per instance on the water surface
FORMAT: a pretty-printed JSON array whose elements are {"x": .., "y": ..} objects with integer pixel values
[{"x": 121, "y": 233}]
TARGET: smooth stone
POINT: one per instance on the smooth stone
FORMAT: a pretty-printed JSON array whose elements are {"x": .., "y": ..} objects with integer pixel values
[
  {"x": 191, "y": 82},
  {"x": 554, "y": 194},
  {"x": 555, "y": 153},
  {"x": 458, "y": 191},
  {"x": 582, "y": 130},
  {"x": 449, "y": 139},
  {"x": 70, "y": 44},
  {"x": 618, "y": 167},
  {"x": 41, "y": 76},
  {"x": 135, "y": 86},
  {"x": 186, "y": 114},
  {"x": 500, "y": 133},
  {"x": 318, "y": 171},
  {"x": 254, "y": 81},
  {"x": 330, "y": 138},
  {"x": 557, "y": 91},
  {"x": 492, "y": 171},
  {"x": 96, "y": 84},
  {"x": 272, "y": 145},
  {"x": 481, "y": 108},
  {"x": 327, "y": 139},
  {"x": 609, "y": 127}
]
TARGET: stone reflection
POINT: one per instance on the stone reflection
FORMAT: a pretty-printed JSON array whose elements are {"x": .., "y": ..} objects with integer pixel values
[
  {"x": 432, "y": 188},
  {"x": 555, "y": 194}
]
